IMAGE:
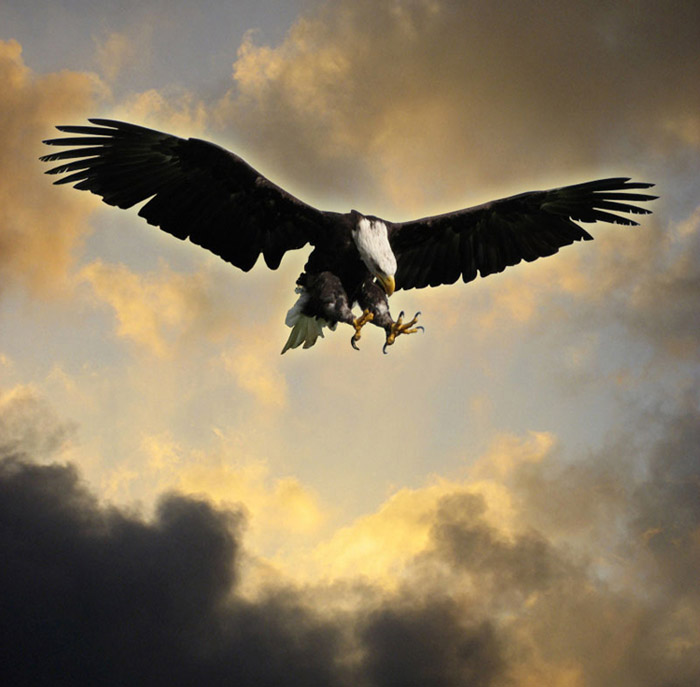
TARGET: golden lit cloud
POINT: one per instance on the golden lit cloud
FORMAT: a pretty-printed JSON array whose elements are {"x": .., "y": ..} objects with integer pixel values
[
  {"x": 40, "y": 226},
  {"x": 379, "y": 546},
  {"x": 277, "y": 507},
  {"x": 508, "y": 452},
  {"x": 180, "y": 112},
  {"x": 250, "y": 364},
  {"x": 158, "y": 310}
]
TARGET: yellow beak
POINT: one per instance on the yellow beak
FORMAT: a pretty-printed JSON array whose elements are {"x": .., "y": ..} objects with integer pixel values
[{"x": 388, "y": 283}]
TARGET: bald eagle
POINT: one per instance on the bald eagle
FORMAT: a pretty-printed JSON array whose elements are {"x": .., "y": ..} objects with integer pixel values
[{"x": 199, "y": 190}]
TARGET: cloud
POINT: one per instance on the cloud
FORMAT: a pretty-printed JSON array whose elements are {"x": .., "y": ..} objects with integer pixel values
[
  {"x": 361, "y": 99},
  {"x": 122, "y": 599},
  {"x": 662, "y": 300},
  {"x": 175, "y": 110},
  {"x": 380, "y": 545},
  {"x": 29, "y": 428},
  {"x": 166, "y": 312},
  {"x": 157, "y": 310},
  {"x": 40, "y": 226},
  {"x": 430, "y": 644},
  {"x": 250, "y": 364},
  {"x": 101, "y": 596},
  {"x": 116, "y": 51},
  {"x": 673, "y": 535},
  {"x": 280, "y": 509}
]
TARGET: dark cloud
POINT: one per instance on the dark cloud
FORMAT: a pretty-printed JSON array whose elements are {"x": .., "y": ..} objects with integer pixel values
[
  {"x": 429, "y": 644},
  {"x": 523, "y": 564},
  {"x": 94, "y": 594},
  {"x": 620, "y": 614}
]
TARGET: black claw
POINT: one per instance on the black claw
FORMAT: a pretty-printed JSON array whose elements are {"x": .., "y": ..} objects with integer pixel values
[
  {"x": 401, "y": 315},
  {"x": 354, "y": 345},
  {"x": 421, "y": 327},
  {"x": 417, "y": 315},
  {"x": 384, "y": 351}
]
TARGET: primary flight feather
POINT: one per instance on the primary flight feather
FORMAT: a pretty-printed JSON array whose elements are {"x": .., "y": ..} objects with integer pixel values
[{"x": 197, "y": 190}]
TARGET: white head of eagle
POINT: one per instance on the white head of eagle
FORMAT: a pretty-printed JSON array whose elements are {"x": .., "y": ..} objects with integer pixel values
[
  {"x": 194, "y": 189},
  {"x": 372, "y": 240}
]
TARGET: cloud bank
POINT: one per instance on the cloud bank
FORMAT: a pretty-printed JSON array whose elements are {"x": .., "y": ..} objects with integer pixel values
[
  {"x": 94, "y": 593},
  {"x": 363, "y": 98}
]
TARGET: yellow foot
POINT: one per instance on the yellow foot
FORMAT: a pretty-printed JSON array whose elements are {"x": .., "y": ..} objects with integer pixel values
[
  {"x": 360, "y": 322},
  {"x": 399, "y": 327}
]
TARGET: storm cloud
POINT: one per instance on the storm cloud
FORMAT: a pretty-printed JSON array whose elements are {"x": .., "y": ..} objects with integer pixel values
[
  {"x": 94, "y": 595},
  {"x": 98, "y": 594}
]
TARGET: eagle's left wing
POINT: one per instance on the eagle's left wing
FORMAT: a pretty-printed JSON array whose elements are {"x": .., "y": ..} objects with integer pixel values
[{"x": 488, "y": 238}]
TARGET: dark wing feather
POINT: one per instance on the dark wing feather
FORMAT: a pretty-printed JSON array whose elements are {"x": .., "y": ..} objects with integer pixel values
[
  {"x": 194, "y": 189},
  {"x": 488, "y": 238}
]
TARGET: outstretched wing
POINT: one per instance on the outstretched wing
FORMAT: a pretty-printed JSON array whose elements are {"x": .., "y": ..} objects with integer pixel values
[
  {"x": 488, "y": 238},
  {"x": 195, "y": 189}
]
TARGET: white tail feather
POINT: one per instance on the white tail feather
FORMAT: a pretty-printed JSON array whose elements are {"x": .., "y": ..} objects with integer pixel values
[{"x": 305, "y": 329}]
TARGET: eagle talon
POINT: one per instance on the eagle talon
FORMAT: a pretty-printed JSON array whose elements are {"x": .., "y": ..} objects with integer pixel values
[
  {"x": 401, "y": 327},
  {"x": 358, "y": 323}
]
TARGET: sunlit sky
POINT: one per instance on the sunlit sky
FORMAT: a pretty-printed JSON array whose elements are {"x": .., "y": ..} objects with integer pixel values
[{"x": 539, "y": 441}]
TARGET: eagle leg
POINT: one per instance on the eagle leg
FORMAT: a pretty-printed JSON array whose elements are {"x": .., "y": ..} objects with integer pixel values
[
  {"x": 358, "y": 323},
  {"x": 399, "y": 327}
]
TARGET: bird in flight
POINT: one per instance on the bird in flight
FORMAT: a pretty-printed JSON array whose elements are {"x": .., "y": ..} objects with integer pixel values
[{"x": 195, "y": 189}]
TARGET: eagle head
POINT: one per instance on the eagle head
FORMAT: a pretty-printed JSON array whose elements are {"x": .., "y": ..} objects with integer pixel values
[{"x": 372, "y": 241}]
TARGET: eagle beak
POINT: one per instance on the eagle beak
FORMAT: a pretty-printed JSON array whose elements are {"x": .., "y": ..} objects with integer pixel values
[{"x": 388, "y": 283}]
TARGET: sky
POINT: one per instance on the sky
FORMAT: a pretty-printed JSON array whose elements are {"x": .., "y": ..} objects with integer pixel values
[{"x": 511, "y": 498}]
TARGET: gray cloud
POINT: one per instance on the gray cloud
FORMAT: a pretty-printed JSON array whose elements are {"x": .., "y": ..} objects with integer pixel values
[
  {"x": 526, "y": 564},
  {"x": 620, "y": 609},
  {"x": 429, "y": 643},
  {"x": 426, "y": 102},
  {"x": 92, "y": 595},
  {"x": 667, "y": 507},
  {"x": 97, "y": 594},
  {"x": 29, "y": 428}
]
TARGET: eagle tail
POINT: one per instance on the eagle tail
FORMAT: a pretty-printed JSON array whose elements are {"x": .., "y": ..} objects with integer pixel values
[{"x": 306, "y": 329}]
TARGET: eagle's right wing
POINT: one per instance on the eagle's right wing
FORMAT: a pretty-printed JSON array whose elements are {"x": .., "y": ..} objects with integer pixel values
[{"x": 195, "y": 189}]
